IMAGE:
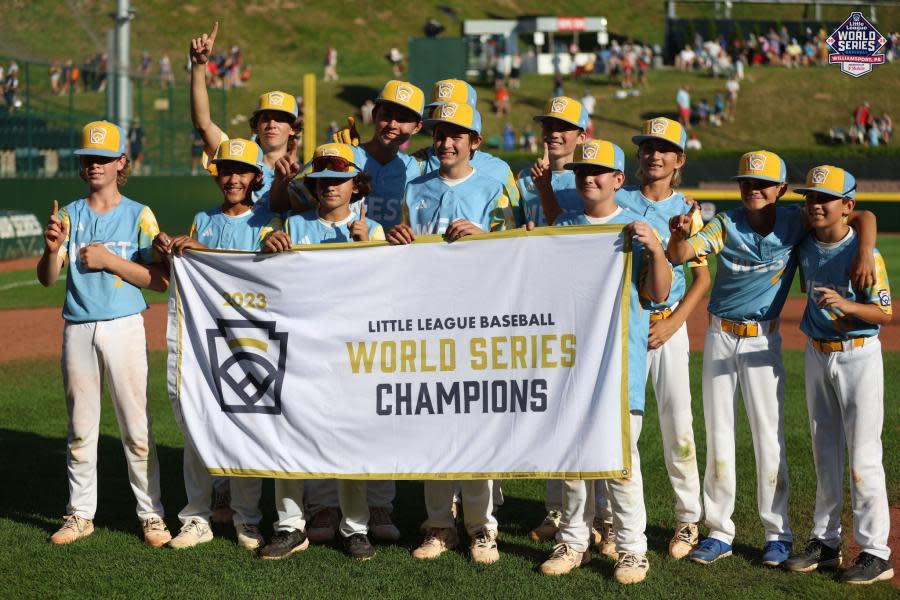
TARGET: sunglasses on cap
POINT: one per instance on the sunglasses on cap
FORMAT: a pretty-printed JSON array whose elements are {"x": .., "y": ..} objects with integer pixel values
[{"x": 332, "y": 163}]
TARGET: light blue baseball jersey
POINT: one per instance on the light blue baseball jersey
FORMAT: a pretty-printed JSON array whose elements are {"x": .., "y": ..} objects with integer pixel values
[
  {"x": 431, "y": 204},
  {"x": 658, "y": 213},
  {"x": 563, "y": 184},
  {"x": 214, "y": 229},
  {"x": 262, "y": 194},
  {"x": 308, "y": 228},
  {"x": 754, "y": 272},
  {"x": 127, "y": 231},
  {"x": 828, "y": 265},
  {"x": 638, "y": 309},
  {"x": 495, "y": 168}
]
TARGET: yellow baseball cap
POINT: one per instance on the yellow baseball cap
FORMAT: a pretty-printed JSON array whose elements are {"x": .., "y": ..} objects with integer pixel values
[
  {"x": 452, "y": 90},
  {"x": 102, "y": 138},
  {"x": 402, "y": 93},
  {"x": 458, "y": 114},
  {"x": 597, "y": 153},
  {"x": 830, "y": 180},
  {"x": 565, "y": 109},
  {"x": 664, "y": 129},
  {"x": 279, "y": 101},
  {"x": 333, "y": 161},
  {"x": 241, "y": 151},
  {"x": 763, "y": 165}
]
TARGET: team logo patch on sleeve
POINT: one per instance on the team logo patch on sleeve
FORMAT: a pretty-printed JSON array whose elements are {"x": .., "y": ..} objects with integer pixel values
[{"x": 884, "y": 297}]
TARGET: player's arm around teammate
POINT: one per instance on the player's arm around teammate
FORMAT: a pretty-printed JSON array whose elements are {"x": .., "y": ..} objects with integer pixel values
[
  {"x": 104, "y": 329},
  {"x": 844, "y": 383}
]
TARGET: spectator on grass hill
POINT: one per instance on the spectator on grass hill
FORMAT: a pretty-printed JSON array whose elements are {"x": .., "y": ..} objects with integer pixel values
[
  {"x": 146, "y": 63},
  {"x": 589, "y": 102},
  {"x": 11, "y": 88},
  {"x": 693, "y": 142},
  {"x": 683, "y": 100},
  {"x": 366, "y": 111},
  {"x": 395, "y": 57},
  {"x": 166, "y": 77},
  {"x": 501, "y": 98},
  {"x": 509, "y": 138},
  {"x": 331, "y": 59},
  {"x": 136, "y": 146},
  {"x": 862, "y": 116}
]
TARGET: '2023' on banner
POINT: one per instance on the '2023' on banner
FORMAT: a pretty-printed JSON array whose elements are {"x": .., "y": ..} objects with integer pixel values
[{"x": 497, "y": 356}]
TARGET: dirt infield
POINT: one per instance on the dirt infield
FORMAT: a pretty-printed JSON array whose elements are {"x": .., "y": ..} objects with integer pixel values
[
  {"x": 37, "y": 332},
  {"x": 19, "y": 264}
]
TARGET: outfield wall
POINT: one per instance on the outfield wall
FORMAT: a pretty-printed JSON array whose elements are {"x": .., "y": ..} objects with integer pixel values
[{"x": 176, "y": 199}]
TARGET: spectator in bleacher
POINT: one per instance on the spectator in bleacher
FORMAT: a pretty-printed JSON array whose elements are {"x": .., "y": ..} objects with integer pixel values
[
  {"x": 166, "y": 77},
  {"x": 136, "y": 146},
  {"x": 793, "y": 54},
  {"x": 683, "y": 100}
]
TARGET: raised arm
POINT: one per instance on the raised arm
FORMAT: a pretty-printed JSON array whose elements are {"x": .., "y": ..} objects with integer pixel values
[
  {"x": 53, "y": 259},
  {"x": 201, "y": 49}
]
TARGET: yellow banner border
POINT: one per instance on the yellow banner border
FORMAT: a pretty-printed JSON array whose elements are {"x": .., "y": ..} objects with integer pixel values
[{"x": 625, "y": 412}]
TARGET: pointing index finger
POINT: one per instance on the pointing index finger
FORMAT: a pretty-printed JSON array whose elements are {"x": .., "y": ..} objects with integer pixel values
[
  {"x": 56, "y": 208},
  {"x": 215, "y": 31},
  {"x": 546, "y": 152},
  {"x": 362, "y": 211}
]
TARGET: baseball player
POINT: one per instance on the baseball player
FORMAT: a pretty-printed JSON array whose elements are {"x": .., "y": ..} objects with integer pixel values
[
  {"x": 238, "y": 224},
  {"x": 338, "y": 183},
  {"x": 755, "y": 245},
  {"x": 844, "y": 382},
  {"x": 598, "y": 166},
  {"x": 563, "y": 125},
  {"x": 455, "y": 201},
  {"x": 460, "y": 92},
  {"x": 275, "y": 123},
  {"x": 397, "y": 116},
  {"x": 107, "y": 238},
  {"x": 661, "y": 157}
]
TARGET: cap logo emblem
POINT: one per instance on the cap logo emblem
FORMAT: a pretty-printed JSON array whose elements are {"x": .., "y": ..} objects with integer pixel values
[
  {"x": 448, "y": 111},
  {"x": 98, "y": 135},
  {"x": 404, "y": 93},
  {"x": 330, "y": 152},
  {"x": 819, "y": 175},
  {"x": 756, "y": 162},
  {"x": 658, "y": 126},
  {"x": 276, "y": 99},
  {"x": 445, "y": 89},
  {"x": 558, "y": 105},
  {"x": 236, "y": 148},
  {"x": 589, "y": 151}
]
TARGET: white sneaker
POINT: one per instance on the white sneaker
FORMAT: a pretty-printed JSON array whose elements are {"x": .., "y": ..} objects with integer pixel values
[
  {"x": 631, "y": 568},
  {"x": 548, "y": 527},
  {"x": 682, "y": 543},
  {"x": 608, "y": 542},
  {"x": 192, "y": 533},
  {"x": 249, "y": 536},
  {"x": 564, "y": 559},
  {"x": 483, "y": 547},
  {"x": 156, "y": 534}
]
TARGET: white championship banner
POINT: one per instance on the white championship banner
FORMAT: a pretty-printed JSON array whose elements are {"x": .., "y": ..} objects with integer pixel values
[{"x": 497, "y": 356}]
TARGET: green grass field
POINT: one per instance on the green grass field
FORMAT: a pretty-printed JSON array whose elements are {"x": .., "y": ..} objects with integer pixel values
[{"x": 114, "y": 562}]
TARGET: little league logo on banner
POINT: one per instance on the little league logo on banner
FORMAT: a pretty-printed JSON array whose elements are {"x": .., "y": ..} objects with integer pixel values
[
  {"x": 855, "y": 44},
  {"x": 302, "y": 365}
]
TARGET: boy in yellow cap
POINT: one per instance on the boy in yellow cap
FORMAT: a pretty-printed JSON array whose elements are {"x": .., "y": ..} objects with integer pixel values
[
  {"x": 844, "y": 383},
  {"x": 755, "y": 246},
  {"x": 598, "y": 166},
  {"x": 455, "y": 201},
  {"x": 107, "y": 239},
  {"x": 236, "y": 224},
  {"x": 275, "y": 123}
]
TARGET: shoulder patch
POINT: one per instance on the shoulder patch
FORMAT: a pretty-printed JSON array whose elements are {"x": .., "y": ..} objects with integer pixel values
[{"x": 884, "y": 297}]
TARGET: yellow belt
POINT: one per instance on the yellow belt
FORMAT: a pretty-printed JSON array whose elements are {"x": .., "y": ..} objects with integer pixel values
[
  {"x": 829, "y": 346},
  {"x": 659, "y": 315},
  {"x": 748, "y": 329}
]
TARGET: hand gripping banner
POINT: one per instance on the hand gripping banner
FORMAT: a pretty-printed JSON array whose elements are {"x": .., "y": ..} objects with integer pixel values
[{"x": 498, "y": 356}]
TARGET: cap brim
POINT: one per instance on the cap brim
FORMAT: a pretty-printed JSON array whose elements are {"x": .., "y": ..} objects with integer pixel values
[
  {"x": 636, "y": 140},
  {"x": 573, "y": 165},
  {"x": 328, "y": 174},
  {"x": 759, "y": 177},
  {"x": 385, "y": 101},
  {"x": 436, "y": 103},
  {"x": 432, "y": 122},
  {"x": 820, "y": 191},
  {"x": 540, "y": 118},
  {"x": 97, "y": 152},
  {"x": 217, "y": 161}
]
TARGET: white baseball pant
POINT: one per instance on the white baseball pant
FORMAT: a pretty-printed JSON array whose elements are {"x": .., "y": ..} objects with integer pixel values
[
  {"x": 117, "y": 349},
  {"x": 754, "y": 364},
  {"x": 668, "y": 368},
  {"x": 323, "y": 493},
  {"x": 845, "y": 399},
  {"x": 477, "y": 503}
]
